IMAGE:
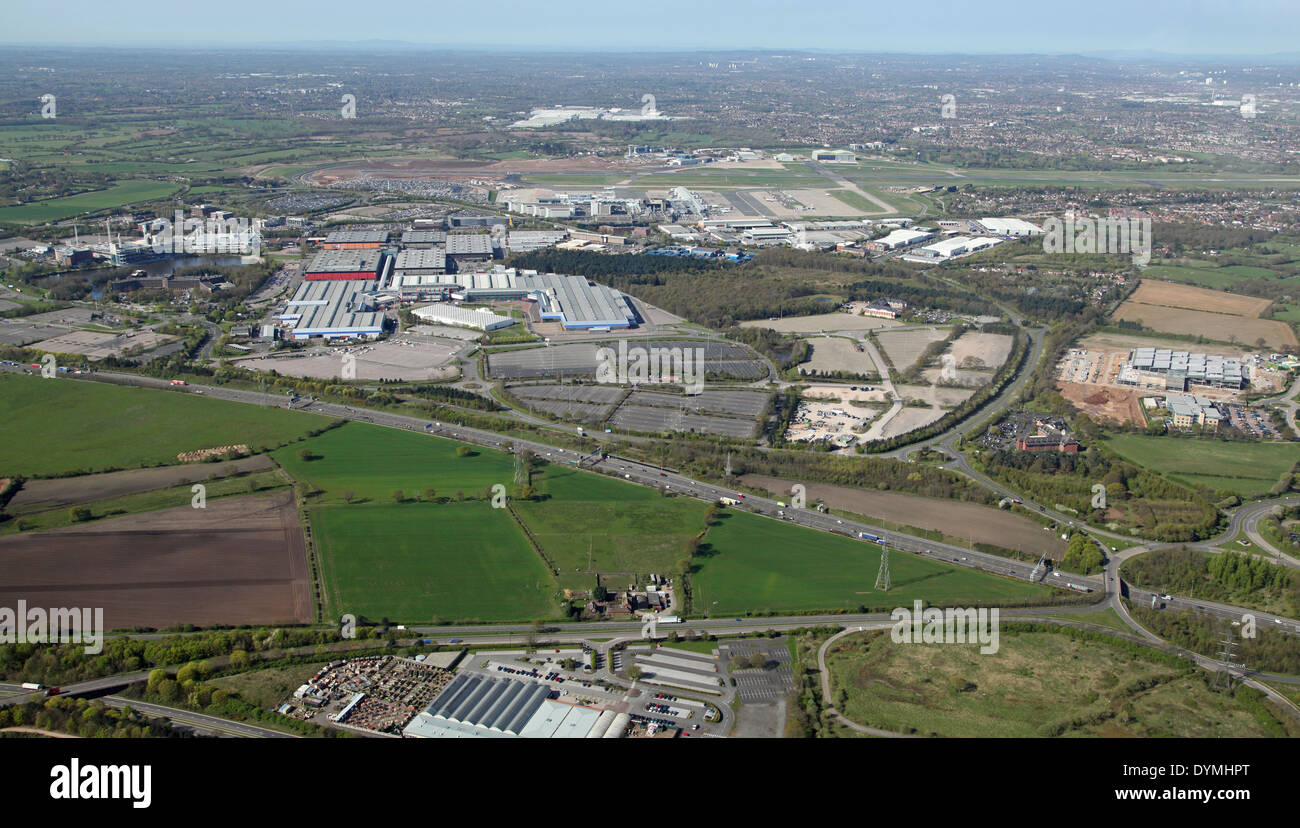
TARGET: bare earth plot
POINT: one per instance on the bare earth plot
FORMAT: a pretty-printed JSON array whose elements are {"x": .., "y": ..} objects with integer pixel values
[
  {"x": 1178, "y": 295},
  {"x": 400, "y": 359},
  {"x": 963, "y": 378},
  {"x": 39, "y": 495},
  {"x": 823, "y": 322},
  {"x": 983, "y": 524},
  {"x": 833, "y": 353},
  {"x": 905, "y": 347},
  {"x": 1104, "y": 403},
  {"x": 241, "y": 560},
  {"x": 910, "y": 419},
  {"x": 1182, "y": 309},
  {"x": 981, "y": 350},
  {"x": 1225, "y": 328},
  {"x": 935, "y": 395}
]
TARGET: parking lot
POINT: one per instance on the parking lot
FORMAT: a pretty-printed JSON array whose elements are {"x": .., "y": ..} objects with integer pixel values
[
  {"x": 759, "y": 685},
  {"x": 645, "y": 418}
]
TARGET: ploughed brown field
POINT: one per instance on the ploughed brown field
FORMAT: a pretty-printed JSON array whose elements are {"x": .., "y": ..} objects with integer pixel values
[
  {"x": 240, "y": 560},
  {"x": 56, "y": 493},
  {"x": 983, "y": 524}
]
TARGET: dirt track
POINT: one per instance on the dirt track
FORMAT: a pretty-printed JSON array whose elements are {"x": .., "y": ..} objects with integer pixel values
[
  {"x": 241, "y": 560},
  {"x": 972, "y": 521}
]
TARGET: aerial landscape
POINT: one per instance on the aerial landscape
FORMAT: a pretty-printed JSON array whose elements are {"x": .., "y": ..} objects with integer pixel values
[{"x": 518, "y": 381}]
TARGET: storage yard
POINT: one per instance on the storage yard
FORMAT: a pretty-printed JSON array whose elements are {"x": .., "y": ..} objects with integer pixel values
[{"x": 393, "y": 359}]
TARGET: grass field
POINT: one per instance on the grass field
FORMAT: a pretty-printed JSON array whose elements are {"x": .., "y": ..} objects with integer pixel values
[
  {"x": 126, "y": 192},
  {"x": 1249, "y": 469},
  {"x": 421, "y": 562},
  {"x": 69, "y": 425},
  {"x": 372, "y": 461},
  {"x": 748, "y": 563},
  {"x": 1037, "y": 684}
]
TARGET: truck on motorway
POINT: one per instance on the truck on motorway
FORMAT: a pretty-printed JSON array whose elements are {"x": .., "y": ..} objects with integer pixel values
[
  {"x": 179, "y": 382},
  {"x": 728, "y": 501},
  {"x": 1079, "y": 588},
  {"x": 28, "y": 685},
  {"x": 870, "y": 537},
  {"x": 669, "y": 619}
]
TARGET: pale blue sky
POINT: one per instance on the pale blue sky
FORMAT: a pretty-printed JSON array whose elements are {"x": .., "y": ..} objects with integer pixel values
[{"x": 1189, "y": 27}]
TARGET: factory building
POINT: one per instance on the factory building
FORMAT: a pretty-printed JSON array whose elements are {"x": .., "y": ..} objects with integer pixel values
[
  {"x": 570, "y": 300},
  {"x": 479, "y": 706},
  {"x": 355, "y": 240},
  {"x": 465, "y": 248},
  {"x": 524, "y": 241},
  {"x": 334, "y": 309},
  {"x": 1181, "y": 368},
  {"x": 480, "y": 319},
  {"x": 469, "y": 218},
  {"x": 1013, "y": 227},
  {"x": 423, "y": 239},
  {"x": 421, "y": 262},
  {"x": 346, "y": 264},
  {"x": 945, "y": 249},
  {"x": 898, "y": 239}
]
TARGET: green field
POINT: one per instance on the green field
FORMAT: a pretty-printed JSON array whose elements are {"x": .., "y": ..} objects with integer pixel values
[
  {"x": 749, "y": 563},
  {"x": 620, "y": 536},
  {"x": 126, "y": 192},
  {"x": 372, "y": 461},
  {"x": 1249, "y": 469},
  {"x": 417, "y": 562},
  {"x": 65, "y": 425},
  {"x": 1036, "y": 684}
]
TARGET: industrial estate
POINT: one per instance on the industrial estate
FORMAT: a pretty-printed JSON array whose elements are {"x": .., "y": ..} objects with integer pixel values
[{"x": 500, "y": 410}]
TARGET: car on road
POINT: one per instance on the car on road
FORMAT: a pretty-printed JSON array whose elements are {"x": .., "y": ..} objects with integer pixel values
[{"x": 455, "y": 641}]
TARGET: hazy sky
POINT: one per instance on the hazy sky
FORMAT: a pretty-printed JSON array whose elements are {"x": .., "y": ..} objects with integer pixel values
[{"x": 1242, "y": 27}]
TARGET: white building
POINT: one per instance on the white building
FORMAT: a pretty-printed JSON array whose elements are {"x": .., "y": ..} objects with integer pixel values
[
  {"x": 480, "y": 319},
  {"x": 1010, "y": 227}
]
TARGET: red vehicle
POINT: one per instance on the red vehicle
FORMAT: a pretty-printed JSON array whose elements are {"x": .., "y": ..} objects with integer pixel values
[
  {"x": 53, "y": 691},
  {"x": 179, "y": 382}
]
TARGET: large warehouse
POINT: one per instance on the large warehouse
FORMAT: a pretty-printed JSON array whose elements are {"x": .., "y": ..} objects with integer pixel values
[
  {"x": 1180, "y": 368},
  {"x": 346, "y": 264},
  {"x": 478, "y": 318},
  {"x": 479, "y": 706},
  {"x": 333, "y": 309},
  {"x": 570, "y": 300}
]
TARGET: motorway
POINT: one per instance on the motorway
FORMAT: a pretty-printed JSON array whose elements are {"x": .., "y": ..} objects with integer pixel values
[{"x": 650, "y": 475}]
